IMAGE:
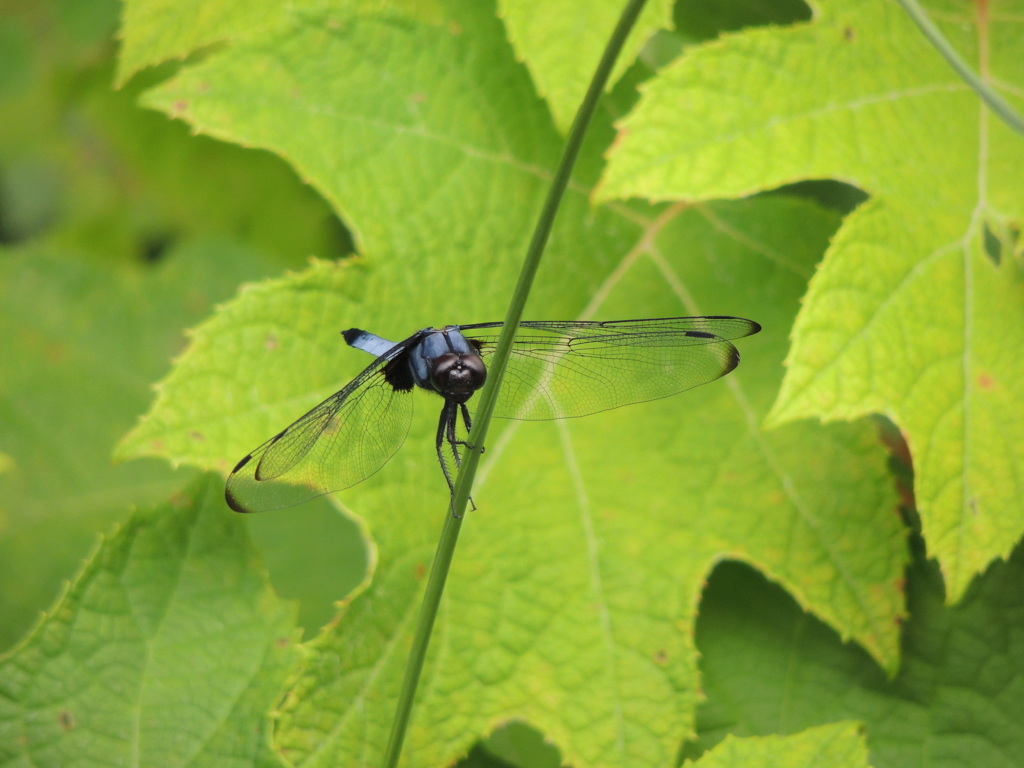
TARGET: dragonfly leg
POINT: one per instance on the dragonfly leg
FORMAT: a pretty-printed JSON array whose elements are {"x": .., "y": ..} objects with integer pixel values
[
  {"x": 455, "y": 442},
  {"x": 446, "y": 433},
  {"x": 469, "y": 426},
  {"x": 446, "y": 427},
  {"x": 442, "y": 428},
  {"x": 453, "y": 439}
]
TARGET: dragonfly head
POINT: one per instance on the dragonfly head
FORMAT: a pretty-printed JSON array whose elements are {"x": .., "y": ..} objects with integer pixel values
[{"x": 457, "y": 376}]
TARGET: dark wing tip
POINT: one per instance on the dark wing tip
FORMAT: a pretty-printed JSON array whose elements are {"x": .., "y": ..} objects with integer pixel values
[
  {"x": 732, "y": 361},
  {"x": 229, "y": 497},
  {"x": 234, "y": 503},
  {"x": 241, "y": 464},
  {"x": 352, "y": 334},
  {"x": 755, "y": 327}
]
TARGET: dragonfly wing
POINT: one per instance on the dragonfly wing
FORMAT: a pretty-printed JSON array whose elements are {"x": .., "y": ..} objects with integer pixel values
[
  {"x": 561, "y": 370},
  {"x": 339, "y": 443}
]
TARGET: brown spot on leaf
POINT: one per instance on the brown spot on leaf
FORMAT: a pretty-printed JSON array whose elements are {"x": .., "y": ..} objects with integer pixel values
[
  {"x": 196, "y": 435},
  {"x": 421, "y": 571},
  {"x": 66, "y": 720},
  {"x": 985, "y": 381},
  {"x": 271, "y": 342}
]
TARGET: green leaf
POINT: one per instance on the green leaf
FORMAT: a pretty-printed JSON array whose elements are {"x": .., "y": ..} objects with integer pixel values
[
  {"x": 840, "y": 745},
  {"x": 571, "y": 605},
  {"x": 769, "y": 668},
  {"x": 532, "y": 543},
  {"x": 155, "y": 31},
  {"x": 908, "y": 315},
  {"x": 168, "y": 649},
  {"x": 540, "y": 33}
]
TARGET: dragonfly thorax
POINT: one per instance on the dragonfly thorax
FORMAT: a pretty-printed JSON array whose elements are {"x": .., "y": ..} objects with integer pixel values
[{"x": 457, "y": 376}]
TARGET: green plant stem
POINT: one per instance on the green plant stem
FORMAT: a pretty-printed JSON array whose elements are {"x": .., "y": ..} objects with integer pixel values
[
  {"x": 936, "y": 38},
  {"x": 488, "y": 396}
]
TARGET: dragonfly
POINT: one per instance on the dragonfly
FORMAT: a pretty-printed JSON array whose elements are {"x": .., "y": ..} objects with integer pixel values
[{"x": 556, "y": 370}]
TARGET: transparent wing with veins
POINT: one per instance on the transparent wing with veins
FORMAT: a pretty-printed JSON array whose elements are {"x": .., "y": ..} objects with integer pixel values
[
  {"x": 557, "y": 370},
  {"x": 342, "y": 441},
  {"x": 565, "y": 369}
]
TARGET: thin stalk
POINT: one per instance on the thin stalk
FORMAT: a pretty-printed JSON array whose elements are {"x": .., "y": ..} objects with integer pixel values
[
  {"x": 969, "y": 76},
  {"x": 495, "y": 373}
]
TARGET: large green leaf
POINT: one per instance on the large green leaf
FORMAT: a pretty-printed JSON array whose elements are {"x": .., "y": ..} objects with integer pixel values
[
  {"x": 168, "y": 649},
  {"x": 574, "y": 588},
  {"x": 769, "y": 668},
  {"x": 574, "y": 597},
  {"x": 910, "y": 315},
  {"x": 572, "y": 601}
]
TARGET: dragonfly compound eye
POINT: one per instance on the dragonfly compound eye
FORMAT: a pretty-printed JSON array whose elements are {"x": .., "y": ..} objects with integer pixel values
[{"x": 456, "y": 377}]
